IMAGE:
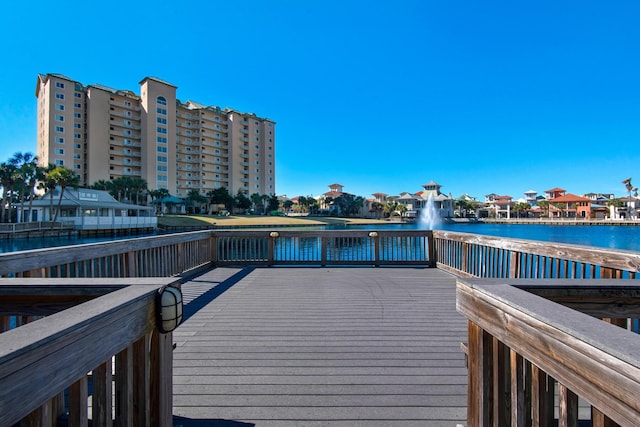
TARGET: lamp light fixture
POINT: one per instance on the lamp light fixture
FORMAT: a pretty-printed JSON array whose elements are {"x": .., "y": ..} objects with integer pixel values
[{"x": 169, "y": 307}]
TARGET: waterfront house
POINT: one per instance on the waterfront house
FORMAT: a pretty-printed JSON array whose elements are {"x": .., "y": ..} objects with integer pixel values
[
  {"x": 530, "y": 197},
  {"x": 88, "y": 209},
  {"x": 496, "y": 206},
  {"x": 443, "y": 203},
  {"x": 554, "y": 193},
  {"x": 572, "y": 206}
]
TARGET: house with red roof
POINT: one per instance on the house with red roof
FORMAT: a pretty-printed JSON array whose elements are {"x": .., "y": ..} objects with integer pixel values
[
  {"x": 572, "y": 206},
  {"x": 496, "y": 206},
  {"x": 554, "y": 193}
]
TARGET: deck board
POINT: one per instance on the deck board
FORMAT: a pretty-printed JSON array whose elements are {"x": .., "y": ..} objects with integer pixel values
[{"x": 320, "y": 346}]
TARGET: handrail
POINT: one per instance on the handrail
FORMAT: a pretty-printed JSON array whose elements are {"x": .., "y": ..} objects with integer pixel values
[
  {"x": 472, "y": 255},
  {"x": 171, "y": 254},
  {"x": 154, "y": 256},
  {"x": 520, "y": 343},
  {"x": 121, "y": 323},
  {"x": 324, "y": 247}
]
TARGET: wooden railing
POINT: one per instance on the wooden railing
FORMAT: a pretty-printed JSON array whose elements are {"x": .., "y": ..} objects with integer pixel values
[
  {"x": 171, "y": 254},
  {"x": 530, "y": 340},
  {"x": 464, "y": 254},
  {"x": 323, "y": 247},
  {"x": 31, "y": 226},
  {"x": 49, "y": 367},
  {"x": 156, "y": 256},
  {"x": 472, "y": 255}
]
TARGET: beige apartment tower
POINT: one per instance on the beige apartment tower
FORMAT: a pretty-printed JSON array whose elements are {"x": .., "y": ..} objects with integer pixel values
[{"x": 103, "y": 133}]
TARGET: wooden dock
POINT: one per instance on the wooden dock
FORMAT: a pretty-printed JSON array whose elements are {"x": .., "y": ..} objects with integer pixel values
[{"x": 320, "y": 347}]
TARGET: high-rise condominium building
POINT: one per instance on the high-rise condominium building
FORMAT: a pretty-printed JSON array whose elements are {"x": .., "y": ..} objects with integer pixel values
[{"x": 103, "y": 133}]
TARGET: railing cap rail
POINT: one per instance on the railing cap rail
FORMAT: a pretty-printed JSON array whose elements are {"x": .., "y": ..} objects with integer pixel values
[{"x": 605, "y": 257}]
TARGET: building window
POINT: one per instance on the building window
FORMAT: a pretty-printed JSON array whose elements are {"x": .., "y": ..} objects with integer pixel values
[
  {"x": 161, "y": 120},
  {"x": 161, "y": 100},
  {"x": 161, "y": 168},
  {"x": 77, "y": 166},
  {"x": 59, "y": 162},
  {"x": 59, "y": 140},
  {"x": 127, "y": 132},
  {"x": 77, "y": 115},
  {"x": 161, "y": 130},
  {"x": 128, "y": 123},
  {"x": 59, "y": 107},
  {"x": 162, "y": 178},
  {"x": 59, "y": 118},
  {"x": 77, "y": 135},
  {"x": 77, "y": 156},
  {"x": 161, "y": 139},
  {"x": 161, "y": 149},
  {"x": 59, "y": 95},
  {"x": 77, "y": 95},
  {"x": 161, "y": 111},
  {"x": 162, "y": 159},
  {"x": 60, "y": 85},
  {"x": 77, "y": 105},
  {"x": 77, "y": 125},
  {"x": 59, "y": 129},
  {"x": 59, "y": 151},
  {"x": 77, "y": 146}
]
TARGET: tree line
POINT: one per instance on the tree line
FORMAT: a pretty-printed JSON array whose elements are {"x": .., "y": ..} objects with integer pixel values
[{"x": 22, "y": 180}]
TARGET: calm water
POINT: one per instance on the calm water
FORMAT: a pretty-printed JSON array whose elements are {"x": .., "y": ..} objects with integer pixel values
[{"x": 617, "y": 237}]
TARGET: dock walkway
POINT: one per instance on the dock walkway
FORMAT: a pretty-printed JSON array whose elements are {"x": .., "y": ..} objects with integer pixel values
[{"x": 320, "y": 347}]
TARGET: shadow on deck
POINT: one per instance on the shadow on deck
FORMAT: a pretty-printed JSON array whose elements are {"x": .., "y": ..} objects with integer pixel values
[{"x": 320, "y": 346}]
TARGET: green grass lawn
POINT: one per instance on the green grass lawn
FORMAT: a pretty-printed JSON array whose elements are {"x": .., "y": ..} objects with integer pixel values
[{"x": 253, "y": 220}]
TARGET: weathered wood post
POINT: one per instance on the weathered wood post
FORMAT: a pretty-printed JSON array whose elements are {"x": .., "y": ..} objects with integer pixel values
[{"x": 272, "y": 247}]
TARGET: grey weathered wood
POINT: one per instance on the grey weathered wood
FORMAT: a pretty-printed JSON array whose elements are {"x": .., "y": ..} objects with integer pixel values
[
  {"x": 613, "y": 261},
  {"x": 598, "y": 361},
  {"x": 12, "y": 262},
  {"x": 339, "y": 346},
  {"x": 78, "y": 395},
  {"x": 59, "y": 343}
]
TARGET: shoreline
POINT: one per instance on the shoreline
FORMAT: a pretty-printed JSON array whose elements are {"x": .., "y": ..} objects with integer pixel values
[{"x": 589, "y": 222}]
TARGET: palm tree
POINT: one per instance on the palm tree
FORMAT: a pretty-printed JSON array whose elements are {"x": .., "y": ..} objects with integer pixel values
[
  {"x": 159, "y": 194},
  {"x": 49, "y": 184},
  {"x": 34, "y": 180},
  {"x": 520, "y": 208},
  {"x": 140, "y": 188},
  {"x": 7, "y": 180},
  {"x": 256, "y": 199},
  {"x": 29, "y": 173},
  {"x": 63, "y": 178},
  {"x": 197, "y": 199},
  {"x": 545, "y": 205},
  {"x": 390, "y": 208}
]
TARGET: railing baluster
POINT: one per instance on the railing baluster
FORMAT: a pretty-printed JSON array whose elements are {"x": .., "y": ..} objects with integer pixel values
[
  {"x": 101, "y": 402},
  {"x": 78, "y": 396},
  {"x": 568, "y": 407}
]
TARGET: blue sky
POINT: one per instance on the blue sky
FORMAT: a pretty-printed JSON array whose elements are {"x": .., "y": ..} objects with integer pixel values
[{"x": 480, "y": 96}]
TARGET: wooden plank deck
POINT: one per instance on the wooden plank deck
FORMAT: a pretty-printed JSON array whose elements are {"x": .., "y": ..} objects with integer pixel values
[{"x": 320, "y": 347}]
